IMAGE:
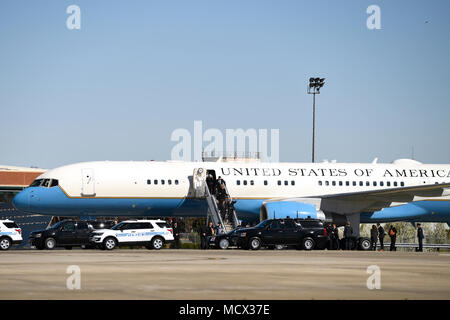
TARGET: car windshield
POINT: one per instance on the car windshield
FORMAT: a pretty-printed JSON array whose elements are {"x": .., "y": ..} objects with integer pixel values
[
  {"x": 118, "y": 226},
  {"x": 262, "y": 224},
  {"x": 56, "y": 225}
]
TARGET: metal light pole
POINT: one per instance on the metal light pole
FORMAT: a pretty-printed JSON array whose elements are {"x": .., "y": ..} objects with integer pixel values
[{"x": 314, "y": 88}]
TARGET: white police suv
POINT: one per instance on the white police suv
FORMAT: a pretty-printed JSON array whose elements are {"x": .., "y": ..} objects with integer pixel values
[
  {"x": 10, "y": 234},
  {"x": 151, "y": 233}
]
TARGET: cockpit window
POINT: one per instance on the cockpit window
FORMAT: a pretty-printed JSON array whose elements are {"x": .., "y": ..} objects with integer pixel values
[
  {"x": 36, "y": 183},
  {"x": 54, "y": 183},
  {"x": 48, "y": 183}
]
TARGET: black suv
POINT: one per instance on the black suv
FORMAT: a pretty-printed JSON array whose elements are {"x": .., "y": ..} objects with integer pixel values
[
  {"x": 66, "y": 233},
  {"x": 304, "y": 234}
]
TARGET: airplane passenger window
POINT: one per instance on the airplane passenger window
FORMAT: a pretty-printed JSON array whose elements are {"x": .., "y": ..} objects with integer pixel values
[
  {"x": 279, "y": 182},
  {"x": 320, "y": 182},
  {"x": 155, "y": 181},
  {"x": 395, "y": 183},
  {"x": 286, "y": 182},
  {"x": 374, "y": 183},
  {"x": 169, "y": 181},
  {"x": 327, "y": 183},
  {"x": 292, "y": 183},
  {"x": 354, "y": 183},
  {"x": 149, "y": 181},
  {"x": 265, "y": 182},
  {"x": 176, "y": 181},
  {"x": 367, "y": 183},
  {"x": 333, "y": 183},
  {"x": 162, "y": 181},
  {"x": 361, "y": 183},
  {"x": 245, "y": 182},
  {"x": 340, "y": 183},
  {"x": 252, "y": 182},
  {"x": 388, "y": 183},
  {"x": 347, "y": 183},
  {"x": 402, "y": 184},
  {"x": 381, "y": 183},
  {"x": 238, "y": 182}
]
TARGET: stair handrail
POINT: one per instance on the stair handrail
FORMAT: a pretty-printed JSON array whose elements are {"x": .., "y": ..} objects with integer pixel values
[{"x": 216, "y": 212}]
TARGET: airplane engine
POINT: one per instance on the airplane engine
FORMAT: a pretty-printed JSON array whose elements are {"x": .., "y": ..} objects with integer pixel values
[{"x": 289, "y": 209}]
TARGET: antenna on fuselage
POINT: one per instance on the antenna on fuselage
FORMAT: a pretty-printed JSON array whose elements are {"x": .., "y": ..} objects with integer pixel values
[
  {"x": 274, "y": 214},
  {"x": 297, "y": 214}
]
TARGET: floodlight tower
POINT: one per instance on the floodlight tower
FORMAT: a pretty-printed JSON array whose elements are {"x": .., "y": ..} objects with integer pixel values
[{"x": 314, "y": 88}]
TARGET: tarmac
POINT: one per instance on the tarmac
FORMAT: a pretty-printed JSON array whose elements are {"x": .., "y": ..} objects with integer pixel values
[{"x": 223, "y": 274}]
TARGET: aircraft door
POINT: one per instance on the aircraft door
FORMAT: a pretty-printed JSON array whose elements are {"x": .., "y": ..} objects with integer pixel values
[
  {"x": 88, "y": 182},
  {"x": 199, "y": 182}
]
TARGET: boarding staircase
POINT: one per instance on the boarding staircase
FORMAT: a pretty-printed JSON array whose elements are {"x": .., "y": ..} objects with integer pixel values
[{"x": 201, "y": 191}]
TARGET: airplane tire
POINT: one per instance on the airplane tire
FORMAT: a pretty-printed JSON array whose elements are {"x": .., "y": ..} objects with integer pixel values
[{"x": 364, "y": 244}]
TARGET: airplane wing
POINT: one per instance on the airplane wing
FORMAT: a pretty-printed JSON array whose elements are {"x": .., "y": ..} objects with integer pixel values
[
  {"x": 375, "y": 200},
  {"x": 370, "y": 201}
]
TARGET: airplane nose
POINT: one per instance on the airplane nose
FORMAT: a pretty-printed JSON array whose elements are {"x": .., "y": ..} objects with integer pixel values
[{"x": 21, "y": 201}]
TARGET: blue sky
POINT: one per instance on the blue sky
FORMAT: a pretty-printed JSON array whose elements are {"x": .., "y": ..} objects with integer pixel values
[{"x": 137, "y": 70}]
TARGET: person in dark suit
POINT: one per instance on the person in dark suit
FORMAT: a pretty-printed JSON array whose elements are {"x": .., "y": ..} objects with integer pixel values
[
  {"x": 381, "y": 235},
  {"x": 210, "y": 231},
  {"x": 329, "y": 229},
  {"x": 176, "y": 235},
  {"x": 374, "y": 237},
  {"x": 203, "y": 232},
  {"x": 393, "y": 234},
  {"x": 420, "y": 236},
  {"x": 348, "y": 234}
]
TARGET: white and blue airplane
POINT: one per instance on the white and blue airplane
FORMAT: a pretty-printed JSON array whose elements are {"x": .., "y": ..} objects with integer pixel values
[{"x": 405, "y": 190}]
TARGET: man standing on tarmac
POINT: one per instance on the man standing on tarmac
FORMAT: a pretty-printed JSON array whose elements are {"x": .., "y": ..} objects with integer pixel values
[
  {"x": 373, "y": 237},
  {"x": 393, "y": 234},
  {"x": 348, "y": 233},
  {"x": 381, "y": 235},
  {"x": 420, "y": 236},
  {"x": 203, "y": 231},
  {"x": 176, "y": 235}
]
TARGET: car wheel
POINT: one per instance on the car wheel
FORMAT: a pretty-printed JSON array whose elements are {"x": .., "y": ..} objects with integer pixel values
[
  {"x": 109, "y": 243},
  {"x": 255, "y": 243},
  {"x": 5, "y": 243},
  {"x": 50, "y": 243},
  {"x": 308, "y": 243},
  {"x": 365, "y": 244},
  {"x": 224, "y": 244},
  {"x": 157, "y": 243}
]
